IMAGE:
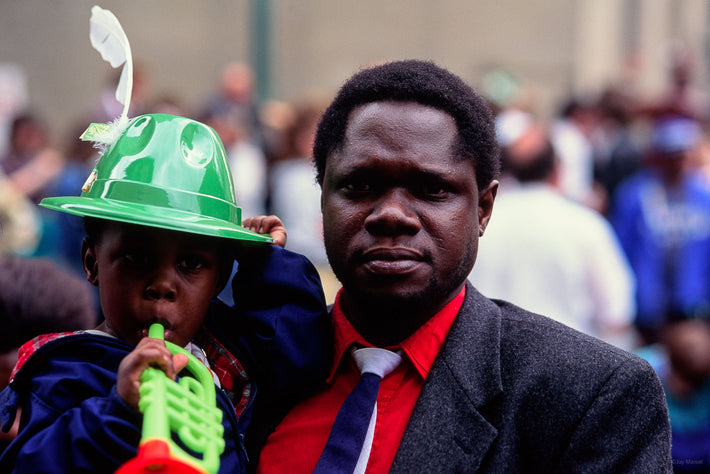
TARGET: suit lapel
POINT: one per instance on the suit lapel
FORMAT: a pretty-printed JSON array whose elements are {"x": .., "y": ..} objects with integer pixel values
[{"x": 446, "y": 425}]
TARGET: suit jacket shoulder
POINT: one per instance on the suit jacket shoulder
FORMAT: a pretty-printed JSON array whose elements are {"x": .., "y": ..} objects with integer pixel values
[{"x": 513, "y": 391}]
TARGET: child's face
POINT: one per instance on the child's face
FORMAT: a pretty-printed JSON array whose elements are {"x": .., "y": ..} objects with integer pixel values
[{"x": 145, "y": 274}]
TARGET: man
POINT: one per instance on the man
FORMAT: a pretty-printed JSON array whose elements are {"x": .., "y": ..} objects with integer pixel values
[
  {"x": 662, "y": 217},
  {"x": 407, "y": 161},
  {"x": 547, "y": 253}
]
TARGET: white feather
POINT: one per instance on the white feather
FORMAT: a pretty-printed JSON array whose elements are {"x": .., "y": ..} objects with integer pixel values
[
  {"x": 109, "y": 39},
  {"x": 107, "y": 134}
]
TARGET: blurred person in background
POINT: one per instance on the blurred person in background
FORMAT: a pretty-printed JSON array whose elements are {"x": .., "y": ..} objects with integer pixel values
[
  {"x": 106, "y": 107},
  {"x": 249, "y": 170},
  {"x": 31, "y": 163},
  {"x": 276, "y": 118},
  {"x": 570, "y": 134},
  {"x": 295, "y": 194},
  {"x": 617, "y": 153},
  {"x": 682, "y": 98},
  {"x": 682, "y": 361},
  {"x": 236, "y": 98},
  {"x": 37, "y": 297},
  {"x": 13, "y": 99},
  {"x": 67, "y": 230},
  {"x": 701, "y": 159},
  {"x": 548, "y": 253},
  {"x": 20, "y": 223},
  {"x": 246, "y": 161},
  {"x": 233, "y": 112},
  {"x": 661, "y": 215},
  {"x": 32, "y": 167},
  {"x": 167, "y": 103}
]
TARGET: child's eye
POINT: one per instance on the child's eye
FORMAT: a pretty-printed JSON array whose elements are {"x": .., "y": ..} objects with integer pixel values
[
  {"x": 135, "y": 257},
  {"x": 191, "y": 263}
]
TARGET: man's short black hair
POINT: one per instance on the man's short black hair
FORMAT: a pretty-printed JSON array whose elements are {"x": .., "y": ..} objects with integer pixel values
[{"x": 414, "y": 81}]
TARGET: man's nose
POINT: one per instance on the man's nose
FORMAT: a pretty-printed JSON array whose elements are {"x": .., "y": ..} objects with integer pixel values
[
  {"x": 162, "y": 285},
  {"x": 393, "y": 213}
]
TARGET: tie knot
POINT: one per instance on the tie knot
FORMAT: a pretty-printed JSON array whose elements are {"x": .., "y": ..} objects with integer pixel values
[{"x": 376, "y": 361}]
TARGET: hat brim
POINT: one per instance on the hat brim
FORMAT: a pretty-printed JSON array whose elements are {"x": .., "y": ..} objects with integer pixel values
[{"x": 153, "y": 216}]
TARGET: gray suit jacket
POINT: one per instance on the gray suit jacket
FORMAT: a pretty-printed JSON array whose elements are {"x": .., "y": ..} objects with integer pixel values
[{"x": 512, "y": 392}]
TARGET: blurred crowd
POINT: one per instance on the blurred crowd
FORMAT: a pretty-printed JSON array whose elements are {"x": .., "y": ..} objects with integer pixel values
[{"x": 602, "y": 219}]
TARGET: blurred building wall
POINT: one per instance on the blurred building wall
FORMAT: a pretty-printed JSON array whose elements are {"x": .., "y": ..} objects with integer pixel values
[{"x": 555, "y": 47}]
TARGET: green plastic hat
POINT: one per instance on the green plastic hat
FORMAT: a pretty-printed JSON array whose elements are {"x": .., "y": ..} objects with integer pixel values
[{"x": 163, "y": 171}]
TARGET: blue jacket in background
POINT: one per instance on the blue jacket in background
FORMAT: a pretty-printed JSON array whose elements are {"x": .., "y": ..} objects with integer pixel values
[{"x": 666, "y": 237}]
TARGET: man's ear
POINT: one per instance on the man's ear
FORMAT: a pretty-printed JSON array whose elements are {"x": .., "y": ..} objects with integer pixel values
[
  {"x": 485, "y": 205},
  {"x": 88, "y": 261}
]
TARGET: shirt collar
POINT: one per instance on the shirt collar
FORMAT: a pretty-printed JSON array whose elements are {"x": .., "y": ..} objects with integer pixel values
[{"x": 421, "y": 348}]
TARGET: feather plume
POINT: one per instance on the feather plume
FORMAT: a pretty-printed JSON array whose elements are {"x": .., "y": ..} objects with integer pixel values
[{"x": 109, "y": 39}]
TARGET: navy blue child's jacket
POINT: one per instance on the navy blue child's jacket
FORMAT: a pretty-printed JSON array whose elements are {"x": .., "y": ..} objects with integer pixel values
[{"x": 73, "y": 420}]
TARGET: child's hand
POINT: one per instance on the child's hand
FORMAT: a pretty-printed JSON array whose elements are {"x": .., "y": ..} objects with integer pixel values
[
  {"x": 267, "y": 225},
  {"x": 149, "y": 352}
]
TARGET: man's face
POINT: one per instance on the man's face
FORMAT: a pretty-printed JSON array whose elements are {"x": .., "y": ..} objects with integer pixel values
[
  {"x": 148, "y": 275},
  {"x": 401, "y": 212}
]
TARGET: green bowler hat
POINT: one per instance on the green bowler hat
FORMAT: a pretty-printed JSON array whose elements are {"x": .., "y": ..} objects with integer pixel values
[{"x": 163, "y": 171}]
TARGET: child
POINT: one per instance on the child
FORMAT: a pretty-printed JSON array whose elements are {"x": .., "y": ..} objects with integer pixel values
[{"x": 162, "y": 233}]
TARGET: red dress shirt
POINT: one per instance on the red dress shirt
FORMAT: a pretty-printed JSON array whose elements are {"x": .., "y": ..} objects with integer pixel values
[{"x": 298, "y": 441}]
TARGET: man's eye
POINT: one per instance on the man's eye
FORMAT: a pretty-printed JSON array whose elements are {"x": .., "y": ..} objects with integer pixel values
[
  {"x": 434, "y": 189},
  {"x": 191, "y": 263},
  {"x": 357, "y": 187}
]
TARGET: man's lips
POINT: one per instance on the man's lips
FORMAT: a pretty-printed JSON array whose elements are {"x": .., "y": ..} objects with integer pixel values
[{"x": 391, "y": 261}]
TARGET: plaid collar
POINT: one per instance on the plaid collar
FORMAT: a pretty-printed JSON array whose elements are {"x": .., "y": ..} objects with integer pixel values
[
  {"x": 230, "y": 372},
  {"x": 31, "y": 346}
]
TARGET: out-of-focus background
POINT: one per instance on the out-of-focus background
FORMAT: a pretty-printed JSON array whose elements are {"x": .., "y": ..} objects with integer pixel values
[
  {"x": 602, "y": 219},
  {"x": 552, "y": 47}
]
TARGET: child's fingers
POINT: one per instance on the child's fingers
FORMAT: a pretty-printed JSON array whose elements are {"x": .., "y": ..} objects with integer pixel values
[
  {"x": 179, "y": 362},
  {"x": 279, "y": 236},
  {"x": 148, "y": 353},
  {"x": 254, "y": 224},
  {"x": 156, "y": 354},
  {"x": 271, "y": 225},
  {"x": 275, "y": 228},
  {"x": 262, "y": 224}
]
